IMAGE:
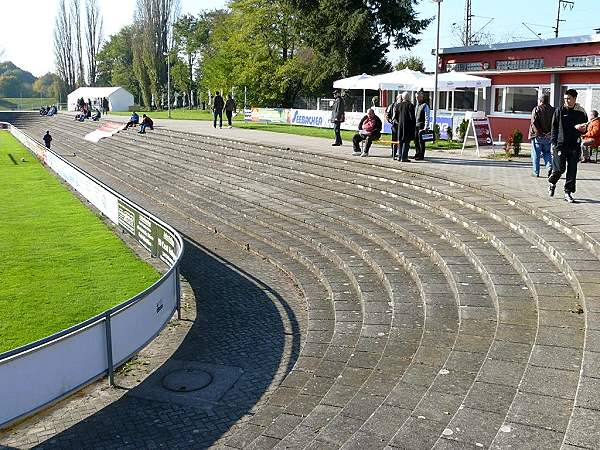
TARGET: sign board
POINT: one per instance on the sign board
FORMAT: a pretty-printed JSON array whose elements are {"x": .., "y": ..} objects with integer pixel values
[
  {"x": 480, "y": 130},
  {"x": 148, "y": 233},
  {"x": 268, "y": 115}
]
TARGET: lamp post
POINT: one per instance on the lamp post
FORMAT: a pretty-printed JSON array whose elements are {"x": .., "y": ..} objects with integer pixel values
[
  {"x": 437, "y": 51},
  {"x": 168, "y": 82}
]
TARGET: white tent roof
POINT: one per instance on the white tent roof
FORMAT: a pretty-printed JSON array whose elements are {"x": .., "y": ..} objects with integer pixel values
[
  {"x": 94, "y": 92},
  {"x": 450, "y": 81},
  {"x": 350, "y": 83},
  {"x": 401, "y": 80}
]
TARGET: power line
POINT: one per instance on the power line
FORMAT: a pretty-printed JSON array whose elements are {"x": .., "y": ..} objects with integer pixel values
[{"x": 565, "y": 4}]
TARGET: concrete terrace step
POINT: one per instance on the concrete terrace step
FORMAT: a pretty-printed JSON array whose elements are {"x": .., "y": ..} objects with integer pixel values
[{"x": 488, "y": 259}]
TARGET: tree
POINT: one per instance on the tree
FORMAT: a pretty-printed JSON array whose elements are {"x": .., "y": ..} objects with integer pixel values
[
  {"x": 352, "y": 36},
  {"x": 76, "y": 23},
  {"x": 153, "y": 21},
  {"x": 187, "y": 35},
  {"x": 63, "y": 47},
  {"x": 410, "y": 62},
  {"x": 93, "y": 35},
  {"x": 46, "y": 85},
  {"x": 115, "y": 62}
]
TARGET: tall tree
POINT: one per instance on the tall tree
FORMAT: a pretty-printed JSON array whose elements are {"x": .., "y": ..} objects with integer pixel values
[
  {"x": 115, "y": 62},
  {"x": 153, "y": 21},
  {"x": 187, "y": 35},
  {"x": 93, "y": 37},
  {"x": 410, "y": 62},
  {"x": 76, "y": 23},
  {"x": 63, "y": 47}
]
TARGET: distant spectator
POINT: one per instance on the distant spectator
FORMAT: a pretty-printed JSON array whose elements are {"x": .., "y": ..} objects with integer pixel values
[
  {"x": 540, "y": 134},
  {"x": 390, "y": 114},
  {"x": 218, "y": 105},
  {"x": 422, "y": 114},
  {"x": 47, "y": 139},
  {"x": 105, "y": 105},
  {"x": 229, "y": 109},
  {"x": 96, "y": 116},
  {"x": 134, "y": 120},
  {"x": 146, "y": 123},
  {"x": 369, "y": 129},
  {"x": 592, "y": 136},
  {"x": 338, "y": 116}
]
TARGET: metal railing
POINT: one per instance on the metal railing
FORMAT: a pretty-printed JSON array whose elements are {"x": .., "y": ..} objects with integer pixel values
[{"x": 42, "y": 372}]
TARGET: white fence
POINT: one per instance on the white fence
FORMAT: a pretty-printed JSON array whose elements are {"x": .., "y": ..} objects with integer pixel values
[{"x": 37, "y": 374}]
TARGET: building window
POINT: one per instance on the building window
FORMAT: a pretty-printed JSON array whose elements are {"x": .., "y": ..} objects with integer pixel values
[
  {"x": 464, "y": 100},
  {"x": 517, "y": 100},
  {"x": 583, "y": 61},
  {"x": 465, "y": 67},
  {"x": 517, "y": 64}
]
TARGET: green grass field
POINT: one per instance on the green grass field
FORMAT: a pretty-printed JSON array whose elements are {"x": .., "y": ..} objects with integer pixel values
[
  {"x": 32, "y": 103},
  {"x": 60, "y": 263},
  {"x": 180, "y": 114}
]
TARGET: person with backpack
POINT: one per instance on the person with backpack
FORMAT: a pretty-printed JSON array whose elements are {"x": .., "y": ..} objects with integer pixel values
[{"x": 218, "y": 105}]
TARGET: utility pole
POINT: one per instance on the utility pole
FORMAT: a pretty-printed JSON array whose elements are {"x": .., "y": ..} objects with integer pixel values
[
  {"x": 564, "y": 4},
  {"x": 467, "y": 37}
]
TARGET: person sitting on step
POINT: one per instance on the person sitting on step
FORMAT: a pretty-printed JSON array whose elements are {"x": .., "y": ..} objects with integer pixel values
[
  {"x": 146, "y": 123},
  {"x": 369, "y": 129},
  {"x": 592, "y": 136},
  {"x": 134, "y": 120}
]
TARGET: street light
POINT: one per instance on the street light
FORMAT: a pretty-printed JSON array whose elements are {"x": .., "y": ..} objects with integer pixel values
[
  {"x": 168, "y": 82},
  {"x": 437, "y": 52}
]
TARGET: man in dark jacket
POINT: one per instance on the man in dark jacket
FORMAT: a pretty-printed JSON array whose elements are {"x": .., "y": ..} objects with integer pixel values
[
  {"x": 422, "y": 117},
  {"x": 229, "y": 109},
  {"x": 389, "y": 117},
  {"x": 404, "y": 117},
  {"x": 47, "y": 139},
  {"x": 539, "y": 133},
  {"x": 369, "y": 129},
  {"x": 218, "y": 105},
  {"x": 566, "y": 139},
  {"x": 146, "y": 123},
  {"x": 337, "y": 117}
]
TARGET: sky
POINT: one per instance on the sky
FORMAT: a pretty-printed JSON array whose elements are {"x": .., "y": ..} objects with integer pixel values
[{"x": 36, "y": 54}]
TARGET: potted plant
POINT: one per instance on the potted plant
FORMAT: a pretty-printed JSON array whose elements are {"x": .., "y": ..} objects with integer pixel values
[{"x": 513, "y": 143}]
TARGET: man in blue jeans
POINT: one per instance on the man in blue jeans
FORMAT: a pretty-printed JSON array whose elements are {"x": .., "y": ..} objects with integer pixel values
[{"x": 540, "y": 135}]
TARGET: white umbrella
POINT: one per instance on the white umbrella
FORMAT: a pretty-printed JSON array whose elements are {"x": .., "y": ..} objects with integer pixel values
[
  {"x": 355, "y": 83},
  {"x": 401, "y": 80},
  {"x": 456, "y": 80}
]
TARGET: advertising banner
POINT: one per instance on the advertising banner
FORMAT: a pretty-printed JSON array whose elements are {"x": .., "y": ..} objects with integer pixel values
[
  {"x": 267, "y": 115},
  {"x": 483, "y": 131},
  {"x": 310, "y": 118},
  {"x": 445, "y": 123},
  {"x": 106, "y": 130}
]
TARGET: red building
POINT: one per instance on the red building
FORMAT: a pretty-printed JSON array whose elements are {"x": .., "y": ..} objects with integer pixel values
[{"x": 520, "y": 72}]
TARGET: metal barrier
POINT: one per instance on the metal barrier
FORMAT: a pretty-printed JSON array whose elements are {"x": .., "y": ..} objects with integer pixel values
[{"x": 42, "y": 372}]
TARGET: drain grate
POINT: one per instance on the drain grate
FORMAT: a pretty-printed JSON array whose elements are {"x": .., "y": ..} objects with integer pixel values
[{"x": 186, "y": 380}]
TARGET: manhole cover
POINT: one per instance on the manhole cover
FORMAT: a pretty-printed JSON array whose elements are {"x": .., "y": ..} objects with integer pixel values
[{"x": 187, "y": 380}]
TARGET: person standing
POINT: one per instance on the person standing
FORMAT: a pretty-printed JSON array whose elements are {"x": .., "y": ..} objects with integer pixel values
[
  {"x": 218, "y": 105},
  {"x": 229, "y": 109},
  {"x": 391, "y": 119},
  {"x": 47, "y": 139},
  {"x": 337, "y": 117},
  {"x": 422, "y": 116},
  {"x": 568, "y": 124},
  {"x": 406, "y": 123},
  {"x": 540, "y": 134}
]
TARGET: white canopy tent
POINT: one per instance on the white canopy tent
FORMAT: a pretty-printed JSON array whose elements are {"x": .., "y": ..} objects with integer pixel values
[
  {"x": 355, "y": 83},
  {"x": 119, "y": 99},
  {"x": 401, "y": 80},
  {"x": 455, "y": 80}
]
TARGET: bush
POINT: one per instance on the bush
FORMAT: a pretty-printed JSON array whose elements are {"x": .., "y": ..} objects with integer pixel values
[
  {"x": 513, "y": 143},
  {"x": 462, "y": 129},
  {"x": 436, "y": 132},
  {"x": 449, "y": 133}
]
